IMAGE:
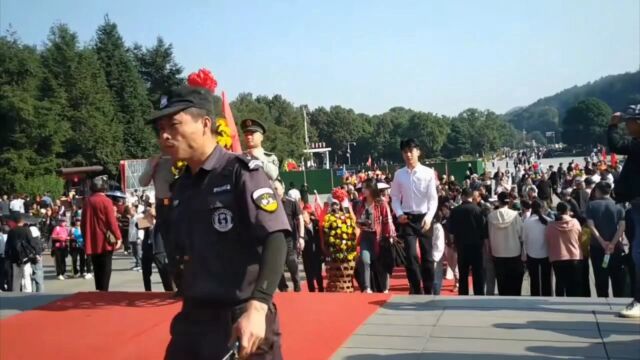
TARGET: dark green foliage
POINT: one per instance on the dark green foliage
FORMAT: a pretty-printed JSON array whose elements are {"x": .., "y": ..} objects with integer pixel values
[
  {"x": 586, "y": 123},
  {"x": 67, "y": 104},
  {"x": 617, "y": 91}
]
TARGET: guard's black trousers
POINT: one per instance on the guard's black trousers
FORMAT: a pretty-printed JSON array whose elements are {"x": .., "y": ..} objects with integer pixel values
[
  {"x": 420, "y": 270},
  {"x": 163, "y": 270},
  {"x": 202, "y": 330}
]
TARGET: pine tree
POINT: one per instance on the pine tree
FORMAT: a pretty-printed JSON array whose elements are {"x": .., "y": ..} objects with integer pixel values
[
  {"x": 158, "y": 68},
  {"x": 75, "y": 86},
  {"x": 127, "y": 90}
]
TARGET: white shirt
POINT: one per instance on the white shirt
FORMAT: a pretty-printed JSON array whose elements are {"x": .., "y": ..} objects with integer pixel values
[
  {"x": 533, "y": 237},
  {"x": 3, "y": 241},
  {"x": 414, "y": 192},
  {"x": 294, "y": 194},
  {"x": 438, "y": 242},
  {"x": 34, "y": 231},
  {"x": 17, "y": 205}
]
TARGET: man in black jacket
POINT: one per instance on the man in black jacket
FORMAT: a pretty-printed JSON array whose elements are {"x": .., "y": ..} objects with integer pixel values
[
  {"x": 468, "y": 231},
  {"x": 553, "y": 179},
  {"x": 544, "y": 187},
  {"x": 21, "y": 250},
  {"x": 627, "y": 188}
]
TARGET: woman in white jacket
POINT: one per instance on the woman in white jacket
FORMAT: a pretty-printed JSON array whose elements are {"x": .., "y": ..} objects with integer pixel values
[{"x": 535, "y": 252}]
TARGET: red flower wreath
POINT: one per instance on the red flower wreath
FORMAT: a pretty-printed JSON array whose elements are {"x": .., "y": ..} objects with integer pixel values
[
  {"x": 339, "y": 195},
  {"x": 203, "y": 78}
]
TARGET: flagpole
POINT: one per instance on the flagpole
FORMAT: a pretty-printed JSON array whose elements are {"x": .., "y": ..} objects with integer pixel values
[{"x": 306, "y": 133}]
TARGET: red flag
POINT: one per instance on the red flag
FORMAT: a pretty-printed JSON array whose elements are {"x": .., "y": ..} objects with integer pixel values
[
  {"x": 369, "y": 163},
  {"x": 614, "y": 160},
  {"x": 228, "y": 115}
]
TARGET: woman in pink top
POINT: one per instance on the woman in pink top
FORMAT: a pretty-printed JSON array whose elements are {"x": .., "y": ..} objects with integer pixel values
[
  {"x": 565, "y": 253},
  {"x": 59, "y": 247}
]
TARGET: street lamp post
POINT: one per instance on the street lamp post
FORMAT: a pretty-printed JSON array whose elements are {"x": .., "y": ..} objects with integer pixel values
[{"x": 349, "y": 143}]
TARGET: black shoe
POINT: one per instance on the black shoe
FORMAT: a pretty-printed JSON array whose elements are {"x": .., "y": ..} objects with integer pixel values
[
  {"x": 284, "y": 289},
  {"x": 297, "y": 288}
]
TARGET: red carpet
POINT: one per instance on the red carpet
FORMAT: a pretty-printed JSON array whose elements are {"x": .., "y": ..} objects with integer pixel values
[{"x": 121, "y": 325}]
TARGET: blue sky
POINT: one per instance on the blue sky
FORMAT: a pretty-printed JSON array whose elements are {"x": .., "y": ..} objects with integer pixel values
[{"x": 438, "y": 56}]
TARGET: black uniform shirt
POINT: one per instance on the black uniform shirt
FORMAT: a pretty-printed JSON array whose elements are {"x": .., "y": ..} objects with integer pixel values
[{"x": 219, "y": 220}]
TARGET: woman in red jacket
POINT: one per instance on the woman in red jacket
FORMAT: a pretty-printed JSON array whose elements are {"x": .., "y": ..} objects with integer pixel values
[
  {"x": 374, "y": 221},
  {"x": 98, "y": 225}
]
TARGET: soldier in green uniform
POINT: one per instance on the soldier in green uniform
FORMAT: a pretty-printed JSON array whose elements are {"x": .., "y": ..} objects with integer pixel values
[{"x": 254, "y": 131}]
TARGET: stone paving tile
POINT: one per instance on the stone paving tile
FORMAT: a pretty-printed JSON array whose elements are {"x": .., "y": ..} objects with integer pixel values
[
  {"x": 394, "y": 330},
  {"x": 525, "y": 334},
  {"x": 629, "y": 349},
  {"x": 426, "y": 320},
  {"x": 448, "y": 355},
  {"x": 375, "y": 354},
  {"x": 516, "y": 348},
  {"x": 451, "y": 318},
  {"x": 12, "y": 303},
  {"x": 386, "y": 342}
]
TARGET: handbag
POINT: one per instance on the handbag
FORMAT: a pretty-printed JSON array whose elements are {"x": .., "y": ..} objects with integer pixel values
[{"x": 111, "y": 239}]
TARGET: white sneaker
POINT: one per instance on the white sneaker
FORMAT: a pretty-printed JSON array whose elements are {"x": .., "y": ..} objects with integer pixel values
[
  {"x": 60, "y": 277},
  {"x": 385, "y": 292},
  {"x": 631, "y": 311},
  {"x": 368, "y": 291},
  {"x": 88, "y": 276}
]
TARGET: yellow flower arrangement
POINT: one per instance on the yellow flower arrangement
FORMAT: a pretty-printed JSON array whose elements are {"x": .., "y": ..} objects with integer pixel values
[
  {"x": 340, "y": 236},
  {"x": 224, "y": 140}
]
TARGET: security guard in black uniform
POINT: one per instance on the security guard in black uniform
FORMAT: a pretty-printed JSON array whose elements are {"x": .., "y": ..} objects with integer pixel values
[{"x": 229, "y": 228}]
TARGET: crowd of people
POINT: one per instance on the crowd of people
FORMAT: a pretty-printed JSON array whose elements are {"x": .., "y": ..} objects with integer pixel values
[{"x": 559, "y": 224}]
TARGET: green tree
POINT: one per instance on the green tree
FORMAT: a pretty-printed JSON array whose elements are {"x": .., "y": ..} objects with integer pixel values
[
  {"x": 34, "y": 129},
  {"x": 586, "y": 123},
  {"x": 429, "y": 130},
  {"x": 458, "y": 140},
  {"x": 127, "y": 90},
  {"x": 76, "y": 85},
  {"x": 158, "y": 68},
  {"x": 538, "y": 137}
]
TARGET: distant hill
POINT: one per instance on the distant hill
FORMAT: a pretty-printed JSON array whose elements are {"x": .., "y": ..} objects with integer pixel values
[{"x": 618, "y": 91}]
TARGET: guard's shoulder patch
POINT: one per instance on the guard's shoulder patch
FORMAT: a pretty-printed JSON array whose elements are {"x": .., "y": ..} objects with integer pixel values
[
  {"x": 250, "y": 162},
  {"x": 265, "y": 199}
]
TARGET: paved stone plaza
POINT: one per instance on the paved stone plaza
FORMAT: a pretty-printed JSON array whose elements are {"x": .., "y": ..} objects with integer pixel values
[{"x": 495, "y": 328}]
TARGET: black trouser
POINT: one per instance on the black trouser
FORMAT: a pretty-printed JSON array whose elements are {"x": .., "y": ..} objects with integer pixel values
[
  {"x": 102, "y": 270},
  {"x": 202, "y": 331},
  {"x": 470, "y": 257},
  {"x": 509, "y": 273},
  {"x": 614, "y": 271},
  {"x": 539, "y": 276},
  {"x": 569, "y": 278},
  {"x": 163, "y": 211},
  {"x": 125, "y": 239},
  {"x": 163, "y": 270},
  {"x": 586, "y": 284},
  {"x": 292, "y": 266},
  {"x": 77, "y": 253},
  {"x": 420, "y": 271},
  {"x": 6, "y": 274},
  {"x": 312, "y": 261},
  {"x": 60, "y": 255}
]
